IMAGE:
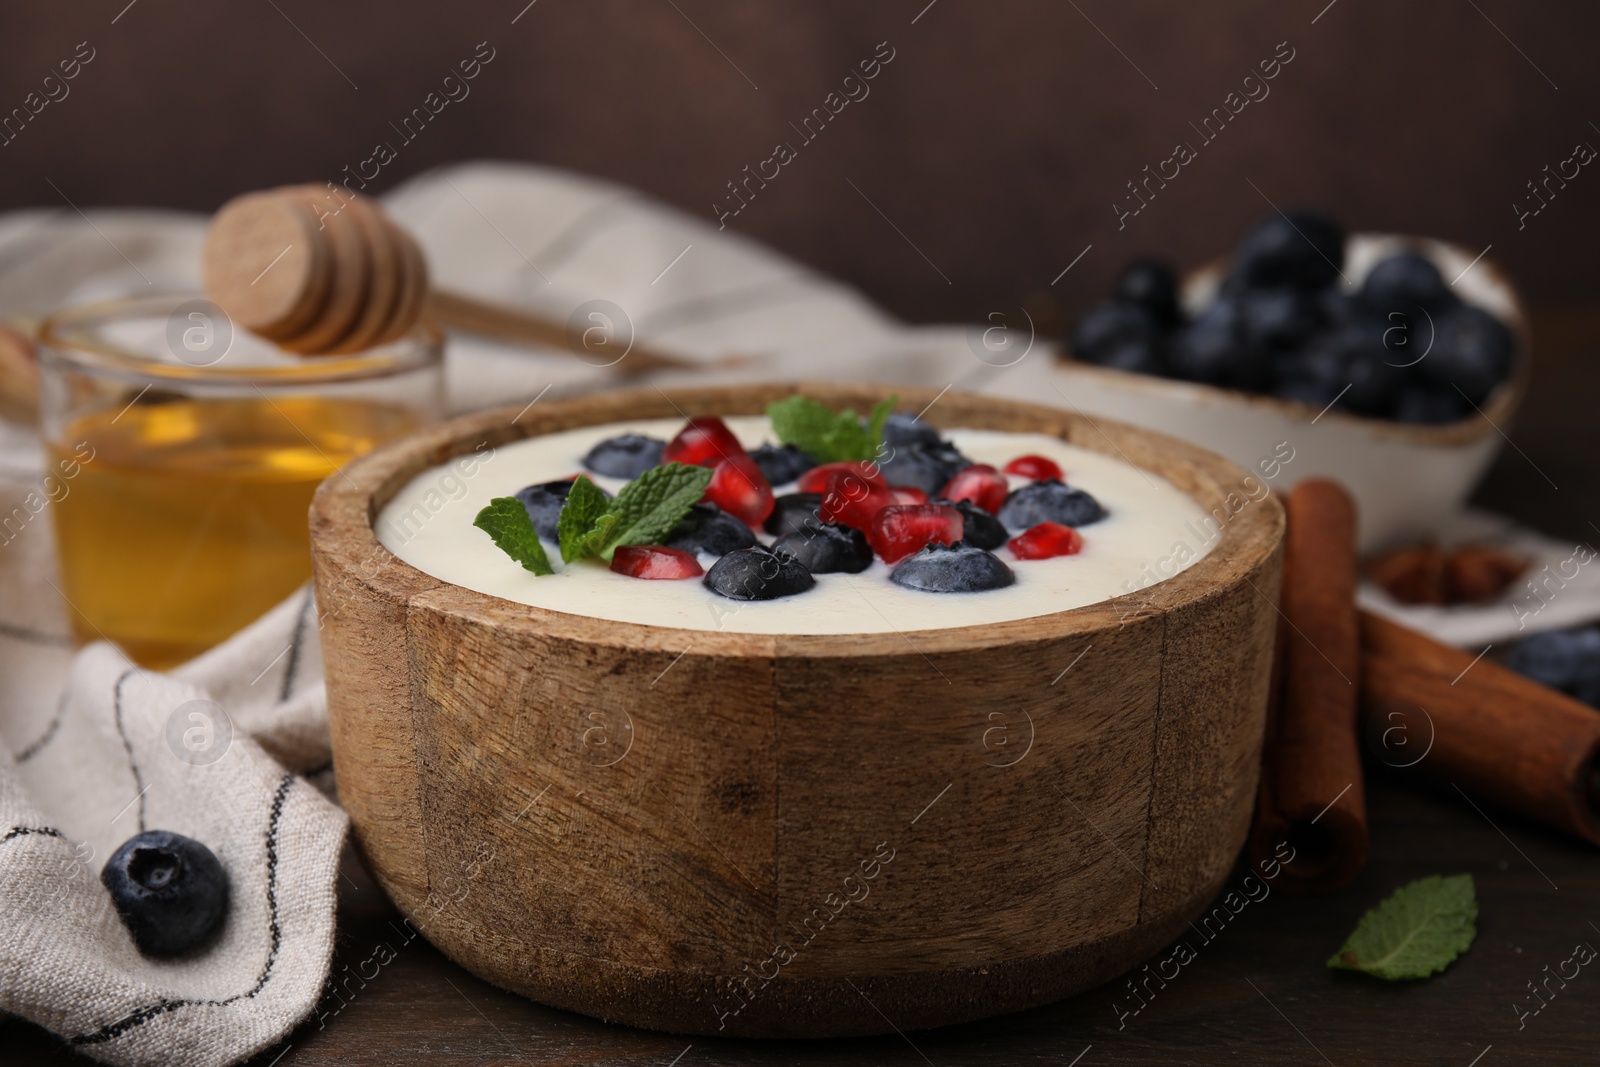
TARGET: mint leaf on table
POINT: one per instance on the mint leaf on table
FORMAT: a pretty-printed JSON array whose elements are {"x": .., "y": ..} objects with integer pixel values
[
  {"x": 647, "y": 508},
  {"x": 580, "y": 530},
  {"x": 824, "y": 435},
  {"x": 1417, "y": 931},
  {"x": 506, "y": 521}
]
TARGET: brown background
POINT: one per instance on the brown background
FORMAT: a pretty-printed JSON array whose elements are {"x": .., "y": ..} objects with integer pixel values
[{"x": 996, "y": 140}]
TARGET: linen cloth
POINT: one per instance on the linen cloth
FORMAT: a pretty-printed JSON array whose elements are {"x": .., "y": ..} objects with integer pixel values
[{"x": 92, "y": 750}]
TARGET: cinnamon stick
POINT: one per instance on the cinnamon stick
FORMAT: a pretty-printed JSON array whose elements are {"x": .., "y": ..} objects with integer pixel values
[
  {"x": 1475, "y": 725},
  {"x": 1311, "y": 815}
]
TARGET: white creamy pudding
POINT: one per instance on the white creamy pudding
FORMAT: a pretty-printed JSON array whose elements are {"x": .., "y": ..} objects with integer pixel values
[{"x": 1150, "y": 532}]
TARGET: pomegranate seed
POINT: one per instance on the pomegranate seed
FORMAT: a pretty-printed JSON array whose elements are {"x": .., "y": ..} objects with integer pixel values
[
  {"x": 655, "y": 561},
  {"x": 815, "y": 480},
  {"x": 1039, "y": 468},
  {"x": 902, "y": 530},
  {"x": 1046, "y": 540},
  {"x": 908, "y": 494},
  {"x": 850, "y": 498},
  {"x": 739, "y": 488},
  {"x": 703, "y": 442},
  {"x": 979, "y": 483}
]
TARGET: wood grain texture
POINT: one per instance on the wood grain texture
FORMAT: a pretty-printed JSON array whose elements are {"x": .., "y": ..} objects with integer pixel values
[
  {"x": 265, "y": 264},
  {"x": 386, "y": 291},
  {"x": 792, "y": 811},
  {"x": 412, "y": 267},
  {"x": 352, "y": 269}
]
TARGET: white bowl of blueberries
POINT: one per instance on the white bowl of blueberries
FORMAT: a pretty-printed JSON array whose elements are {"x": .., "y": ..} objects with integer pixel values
[{"x": 1391, "y": 364}]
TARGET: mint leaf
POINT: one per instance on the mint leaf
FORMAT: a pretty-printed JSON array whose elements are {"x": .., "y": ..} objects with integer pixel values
[
  {"x": 1417, "y": 931},
  {"x": 647, "y": 508},
  {"x": 803, "y": 423},
  {"x": 825, "y": 436},
  {"x": 875, "y": 422},
  {"x": 586, "y": 503},
  {"x": 592, "y": 543},
  {"x": 506, "y": 521}
]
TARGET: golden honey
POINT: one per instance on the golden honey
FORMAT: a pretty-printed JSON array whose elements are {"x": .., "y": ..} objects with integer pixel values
[{"x": 188, "y": 519}]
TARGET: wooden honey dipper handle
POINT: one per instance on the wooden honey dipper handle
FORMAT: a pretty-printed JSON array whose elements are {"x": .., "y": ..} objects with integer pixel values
[
  {"x": 511, "y": 324},
  {"x": 321, "y": 271}
]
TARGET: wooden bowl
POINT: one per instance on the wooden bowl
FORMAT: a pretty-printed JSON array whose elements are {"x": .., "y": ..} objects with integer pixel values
[
  {"x": 710, "y": 832},
  {"x": 1442, "y": 463}
]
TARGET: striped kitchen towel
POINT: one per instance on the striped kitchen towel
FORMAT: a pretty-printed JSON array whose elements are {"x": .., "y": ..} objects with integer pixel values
[{"x": 200, "y": 752}]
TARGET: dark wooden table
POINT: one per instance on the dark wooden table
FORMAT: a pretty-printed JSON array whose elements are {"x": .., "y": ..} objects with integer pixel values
[{"x": 1258, "y": 993}]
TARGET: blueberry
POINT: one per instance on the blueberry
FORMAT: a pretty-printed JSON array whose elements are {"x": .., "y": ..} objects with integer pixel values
[
  {"x": 1213, "y": 349},
  {"x": 1430, "y": 405},
  {"x": 543, "y": 503},
  {"x": 1471, "y": 351},
  {"x": 1109, "y": 325},
  {"x": 925, "y": 467},
  {"x": 757, "y": 573},
  {"x": 1403, "y": 283},
  {"x": 1586, "y": 686},
  {"x": 781, "y": 465},
  {"x": 1566, "y": 660},
  {"x": 1337, "y": 307},
  {"x": 707, "y": 528},
  {"x": 1206, "y": 350},
  {"x": 1349, "y": 366},
  {"x": 903, "y": 429},
  {"x": 1407, "y": 295},
  {"x": 957, "y": 568},
  {"x": 1278, "y": 318},
  {"x": 1049, "y": 501},
  {"x": 1304, "y": 249},
  {"x": 1407, "y": 338},
  {"x": 792, "y": 512},
  {"x": 627, "y": 456},
  {"x": 169, "y": 889},
  {"x": 979, "y": 528},
  {"x": 1375, "y": 382},
  {"x": 1153, "y": 286},
  {"x": 827, "y": 548}
]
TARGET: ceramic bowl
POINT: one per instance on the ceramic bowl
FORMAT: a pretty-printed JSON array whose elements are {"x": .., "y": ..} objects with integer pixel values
[{"x": 1405, "y": 478}]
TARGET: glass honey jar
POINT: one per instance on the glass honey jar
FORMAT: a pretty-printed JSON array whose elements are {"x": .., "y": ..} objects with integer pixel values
[{"x": 189, "y": 450}]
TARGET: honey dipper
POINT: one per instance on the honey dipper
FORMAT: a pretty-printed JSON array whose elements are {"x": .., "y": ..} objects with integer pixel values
[{"x": 321, "y": 271}]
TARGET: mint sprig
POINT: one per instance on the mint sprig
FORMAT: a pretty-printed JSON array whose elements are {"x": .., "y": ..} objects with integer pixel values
[
  {"x": 826, "y": 436},
  {"x": 652, "y": 504},
  {"x": 581, "y": 528},
  {"x": 645, "y": 511},
  {"x": 506, "y": 521},
  {"x": 1417, "y": 931}
]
